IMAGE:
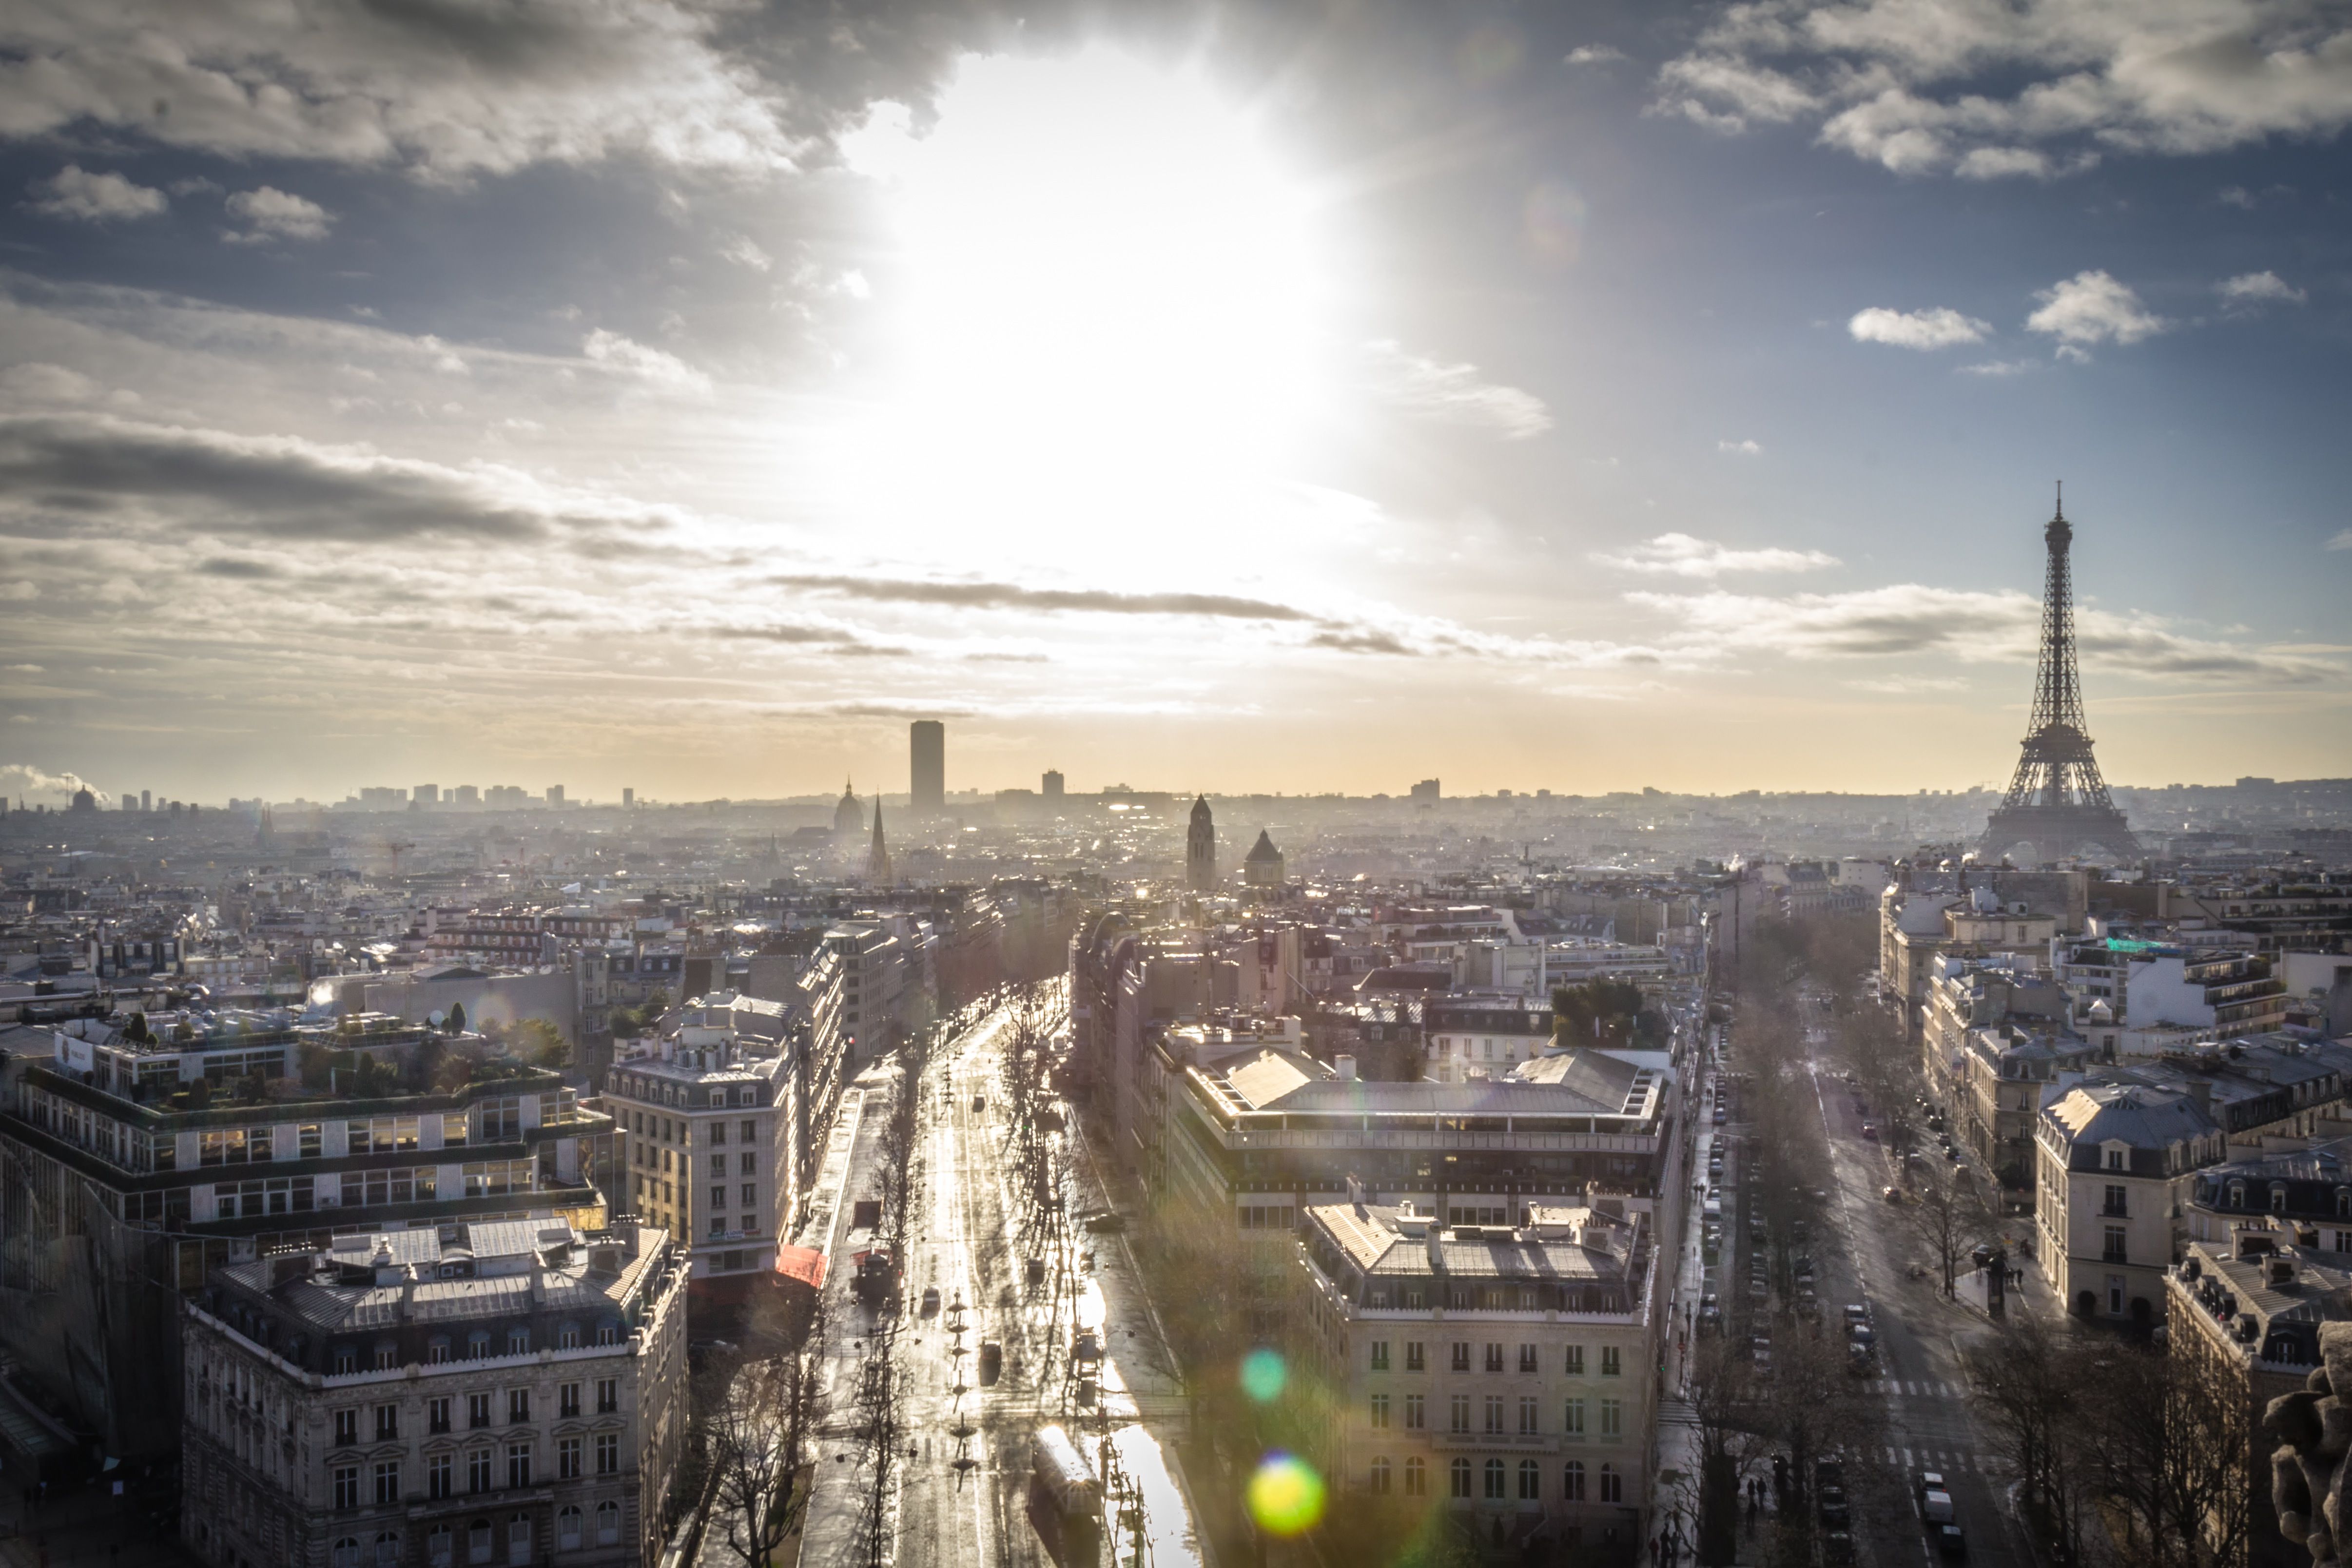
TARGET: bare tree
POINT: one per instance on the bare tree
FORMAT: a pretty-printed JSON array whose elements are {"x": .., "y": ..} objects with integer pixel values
[
  {"x": 1950, "y": 1217},
  {"x": 759, "y": 1431},
  {"x": 2031, "y": 1390}
]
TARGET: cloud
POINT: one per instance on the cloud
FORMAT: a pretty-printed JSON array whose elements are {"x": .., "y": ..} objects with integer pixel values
[
  {"x": 743, "y": 251},
  {"x": 275, "y": 215},
  {"x": 1009, "y": 596},
  {"x": 1741, "y": 448},
  {"x": 666, "y": 373},
  {"x": 1680, "y": 555},
  {"x": 1999, "y": 368},
  {"x": 1942, "y": 328},
  {"x": 23, "y": 779},
  {"x": 92, "y": 466},
  {"x": 1969, "y": 627},
  {"x": 2341, "y": 542},
  {"x": 2092, "y": 307},
  {"x": 2255, "y": 288},
  {"x": 239, "y": 568},
  {"x": 2037, "y": 88},
  {"x": 1910, "y": 685},
  {"x": 1453, "y": 395},
  {"x": 71, "y": 192},
  {"x": 1593, "y": 55},
  {"x": 446, "y": 91}
]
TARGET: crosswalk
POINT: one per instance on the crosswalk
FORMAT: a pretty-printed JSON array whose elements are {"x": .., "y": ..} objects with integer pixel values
[
  {"x": 1944, "y": 1461},
  {"x": 1917, "y": 1388}
]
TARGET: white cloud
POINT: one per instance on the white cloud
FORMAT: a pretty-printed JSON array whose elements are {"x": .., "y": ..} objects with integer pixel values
[
  {"x": 445, "y": 90},
  {"x": 1741, "y": 448},
  {"x": 1453, "y": 395},
  {"x": 1999, "y": 368},
  {"x": 74, "y": 193},
  {"x": 1909, "y": 685},
  {"x": 743, "y": 251},
  {"x": 657, "y": 368},
  {"x": 274, "y": 213},
  {"x": 1680, "y": 555},
  {"x": 2341, "y": 542},
  {"x": 1593, "y": 55},
  {"x": 2034, "y": 88},
  {"x": 1942, "y": 328},
  {"x": 2259, "y": 288},
  {"x": 2092, "y": 307}
]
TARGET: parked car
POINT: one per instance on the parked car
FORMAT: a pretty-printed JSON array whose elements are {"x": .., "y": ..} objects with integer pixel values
[{"x": 1951, "y": 1543}]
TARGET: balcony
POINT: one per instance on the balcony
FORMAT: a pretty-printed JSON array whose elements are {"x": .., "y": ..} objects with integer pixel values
[{"x": 1519, "y": 1442}]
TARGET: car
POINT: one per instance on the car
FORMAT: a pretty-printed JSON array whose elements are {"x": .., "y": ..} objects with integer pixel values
[
  {"x": 1870, "y": 1132},
  {"x": 1758, "y": 1290},
  {"x": 931, "y": 1300},
  {"x": 1720, "y": 1116},
  {"x": 1835, "y": 1514},
  {"x": 1953, "y": 1154},
  {"x": 1951, "y": 1543},
  {"x": 1929, "y": 1480},
  {"x": 992, "y": 1362},
  {"x": 1837, "y": 1548},
  {"x": 1857, "y": 1312},
  {"x": 1891, "y": 1195}
]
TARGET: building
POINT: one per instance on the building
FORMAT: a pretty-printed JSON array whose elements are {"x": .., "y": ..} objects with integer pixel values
[
  {"x": 708, "y": 1126},
  {"x": 1495, "y": 1031},
  {"x": 2247, "y": 1308},
  {"x": 1263, "y": 867},
  {"x": 1425, "y": 790},
  {"x": 1051, "y": 784},
  {"x": 131, "y": 1168},
  {"x": 927, "y": 749},
  {"x": 1506, "y": 1372},
  {"x": 555, "y": 797},
  {"x": 508, "y": 1392},
  {"x": 2216, "y": 992},
  {"x": 878, "y": 871},
  {"x": 1200, "y": 848},
  {"x": 848, "y": 816}
]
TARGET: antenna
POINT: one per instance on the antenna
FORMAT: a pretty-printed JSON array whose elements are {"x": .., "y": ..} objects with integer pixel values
[{"x": 2062, "y": 497}]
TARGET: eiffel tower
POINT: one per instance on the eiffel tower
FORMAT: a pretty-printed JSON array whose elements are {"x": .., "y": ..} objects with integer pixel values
[{"x": 2057, "y": 800}]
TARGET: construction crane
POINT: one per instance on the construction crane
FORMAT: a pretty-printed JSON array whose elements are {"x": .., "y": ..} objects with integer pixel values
[{"x": 395, "y": 848}]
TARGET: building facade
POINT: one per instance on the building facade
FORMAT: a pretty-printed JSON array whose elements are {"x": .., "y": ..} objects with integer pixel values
[{"x": 508, "y": 1392}]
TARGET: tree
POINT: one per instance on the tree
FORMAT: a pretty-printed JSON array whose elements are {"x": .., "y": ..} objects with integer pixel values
[
  {"x": 760, "y": 1430},
  {"x": 135, "y": 1031},
  {"x": 2030, "y": 1389},
  {"x": 456, "y": 1018},
  {"x": 1948, "y": 1214}
]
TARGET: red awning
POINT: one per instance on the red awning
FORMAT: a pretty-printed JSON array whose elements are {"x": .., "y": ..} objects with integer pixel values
[{"x": 805, "y": 1264}]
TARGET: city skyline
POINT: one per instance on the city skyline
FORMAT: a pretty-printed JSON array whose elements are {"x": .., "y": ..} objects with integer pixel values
[{"x": 1589, "y": 401}]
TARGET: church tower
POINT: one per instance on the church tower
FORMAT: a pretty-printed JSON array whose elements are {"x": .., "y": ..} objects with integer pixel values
[
  {"x": 877, "y": 858},
  {"x": 1200, "y": 848}
]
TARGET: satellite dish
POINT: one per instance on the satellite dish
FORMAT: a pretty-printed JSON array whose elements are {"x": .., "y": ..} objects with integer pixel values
[{"x": 436, "y": 1018}]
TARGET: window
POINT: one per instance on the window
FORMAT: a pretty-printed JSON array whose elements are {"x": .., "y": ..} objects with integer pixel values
[
  {"x": 718, "y": 1165},
  {"x": 436, "y": 1349},
  {"x": 1527, "y": 1358},
  {"x": 1415, "y": 1413},
  {"x": 1414, "y": 1360},
  {"x": 1611, "y": 1366},
  {"x": 2278, "y": 1197},
  {"x": 478, "y": 1345},
  {"x": 518, "y": 1340},
  {"x": 347, "y": 1360},
  {"x": 567, "y": 1459},
  {"x": 1460, "y": 1421},
  {"x": 749, "y": 1194},
  {"x": 567, "y": 1399},
  {"x": 1460, "y": 1355},
  {"x": 477, "y": 1541},
  {"x": 1493, "y": 1358},
  {"x": 1416, "y": 1477},
  {"x": 1380, "y": 1477},
  {"x": 1613, "y": 1420},
  {"x": 567, "y": 1528},
  {"x": 751, "y": 1131},
  {"x": 1612, "y": 1485},
  {"x": 608, "y": 1453},
  {"x": 568, "y": 1337},
  {"x": 477, "y": 1409},
  {"x": 717, "y": 1198},
  {"x": 1460, "y": 1472},
  {"x": 436, "y": 1414},
  {"x": 1494, "y": 1413},
  {"x": 1531, "y": 1481},
  {"x": 518, "y": 1464},
  {"x": 518, "y": 1404},
  {"x": 347, "y": 1428},
  {"x": 387, "y": 1481},
  {"x": 1527, "y": 1418},
  {"x": 608, "y": 1395},
  {"x": 2115, "y": 1196},
  {"x": 1495, "y": 1480},
  {"x": 347, "y": 1552},
  {"x": 478, "y": 1472},
  {"x": 1380, "y": 1355},
  {"x": 2237, "y": 1189},
  {"x": 1379, "y": 1412},
  {"x": 744, "y": 1165},
  {"x": 718, "y": 1223},
  {"x": 438, "y": 1480},
  {"x": 1571, "y": 1481},
  {"x": 1573, "y": 1422},
  {"x": 608, "y": 1523},
  {"x": 2115, "y": 1163},
  {"x": 387, "y": 1422},
  {"x": 1576, "y": 1361},
  {"x": 347, "y": 1486},
  {"x": 2343, "y": 1203},
  {"x": 2115, "y": 1252}
]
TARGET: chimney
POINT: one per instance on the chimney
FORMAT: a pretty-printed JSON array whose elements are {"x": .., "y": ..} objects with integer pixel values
[{"x": 1347, "y": 1067}]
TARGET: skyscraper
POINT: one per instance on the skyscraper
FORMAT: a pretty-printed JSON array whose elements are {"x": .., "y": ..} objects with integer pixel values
[
  {"x": 1053, "y": 781},
  {"x": 927, "y": 746},
  {"x": 1201, "y": 847}
]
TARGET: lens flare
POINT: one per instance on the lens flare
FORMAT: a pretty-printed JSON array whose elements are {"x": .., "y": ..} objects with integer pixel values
[
  {"x": 1263, "y": 1374},
  {"x": 1286, "y": 1495}
]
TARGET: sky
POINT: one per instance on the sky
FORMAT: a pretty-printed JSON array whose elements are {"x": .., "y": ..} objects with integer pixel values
[{"x": 1298, "y": 397}]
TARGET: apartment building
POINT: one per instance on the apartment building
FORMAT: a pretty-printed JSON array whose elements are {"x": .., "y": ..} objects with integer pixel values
[
  {"x": 2212, "y": 992},
  {"x": 498, "y": 1392},
  {"x": 1506, "y": 1373},
  {"x": 1494, "y": 1029},
  {"x": 707, "y": 1145}
]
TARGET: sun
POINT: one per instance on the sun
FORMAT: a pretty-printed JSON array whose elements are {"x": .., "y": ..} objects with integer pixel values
[{"x": 1110, "y": 278}]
